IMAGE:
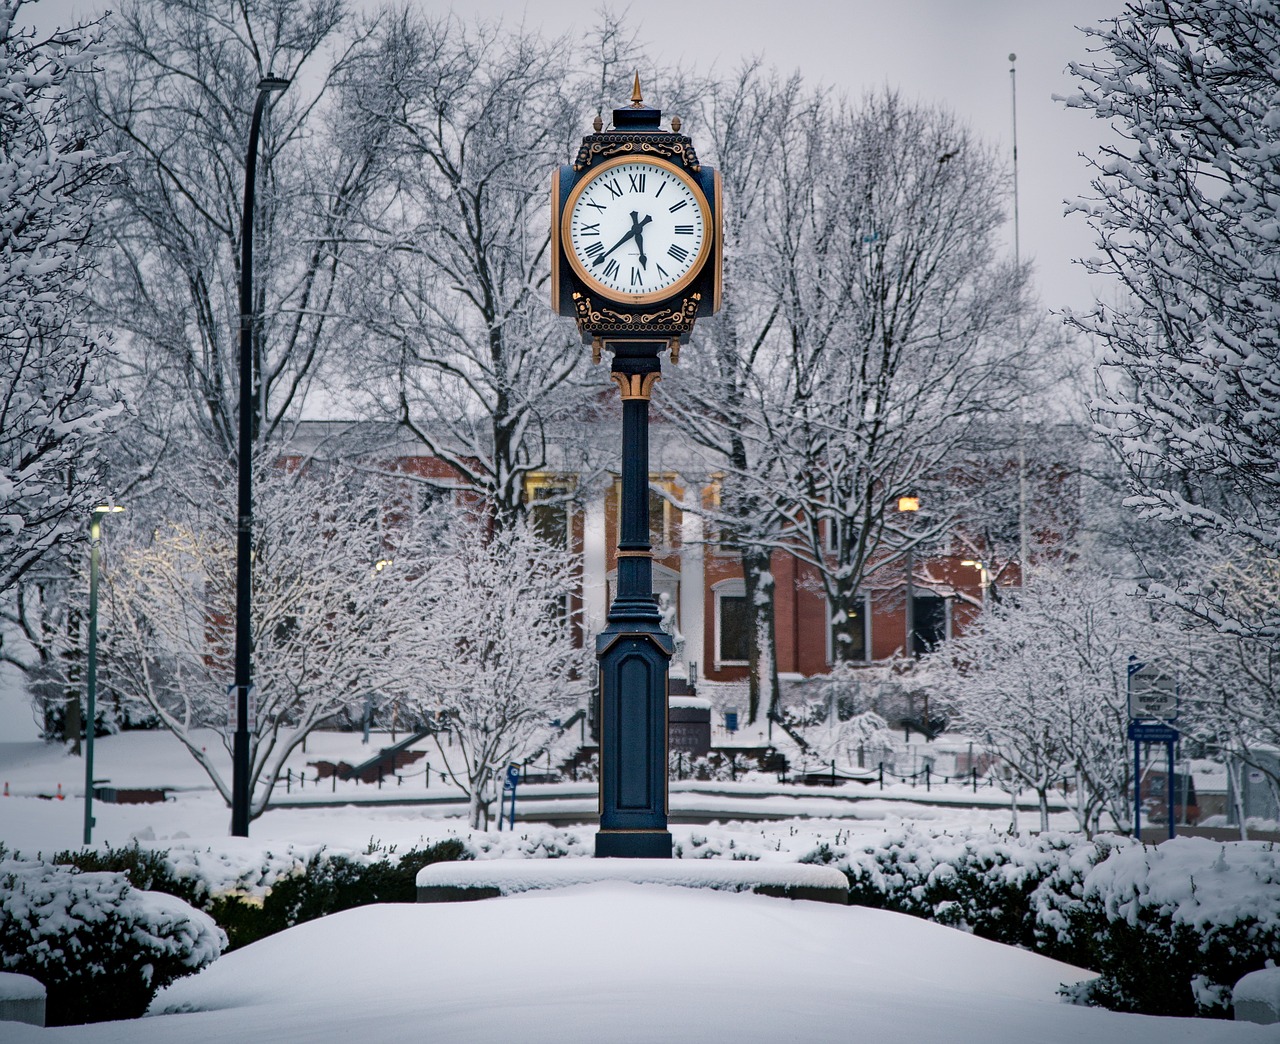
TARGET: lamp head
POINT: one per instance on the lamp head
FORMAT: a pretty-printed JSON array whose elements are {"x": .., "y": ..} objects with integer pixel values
[
  {"x": 909, "y": 503},
  {"x": 272, "y": 83},
  {"x": 107, "y": 509}
]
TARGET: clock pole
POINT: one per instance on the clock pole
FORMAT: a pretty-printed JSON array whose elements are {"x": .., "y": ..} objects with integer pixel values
[{"x": 633, "y": 651}]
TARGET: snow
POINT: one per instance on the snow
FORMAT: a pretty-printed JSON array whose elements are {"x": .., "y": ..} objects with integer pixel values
[
  {"x": 20, "y": 987},
  {"x": 1261, "y": 987},
  {"x": 613, "y": 961},
  {"x": 549, "y": 965},
  {"x": 1192, "y": 879},
  {"x": 689, "y": 703},
  {"x": 511, "y": 876}
]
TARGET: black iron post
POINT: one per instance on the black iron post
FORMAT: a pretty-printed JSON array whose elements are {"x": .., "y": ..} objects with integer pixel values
[
  {"x": 244, "y": 464},
  {"x": 91, "y": 694},
  {"x": 634, "y": 651}
]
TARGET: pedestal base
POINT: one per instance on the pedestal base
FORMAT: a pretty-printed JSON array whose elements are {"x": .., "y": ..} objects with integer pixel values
[{"x": 633, "y": 844}]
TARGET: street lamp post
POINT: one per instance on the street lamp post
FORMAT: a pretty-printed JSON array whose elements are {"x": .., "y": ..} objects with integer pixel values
[
  {"x": 244, "y": 519},
  {"x": 91, "y": 698},
  {"x": 984, "y": 577},
  {"x": 910, "y": 505}
]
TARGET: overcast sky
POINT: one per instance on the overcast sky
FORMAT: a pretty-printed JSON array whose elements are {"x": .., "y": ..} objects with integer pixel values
[{"x": 949, "y": 51}]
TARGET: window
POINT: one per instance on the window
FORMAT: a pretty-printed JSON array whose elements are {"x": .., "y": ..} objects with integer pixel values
[
  {"x": 733, "y": 623},
  {"x": 549, "y": 512},
  {"x": 928, "y": 623},
  {"x": 859, "y": 632},
  {"x": 664, "y": 517}
]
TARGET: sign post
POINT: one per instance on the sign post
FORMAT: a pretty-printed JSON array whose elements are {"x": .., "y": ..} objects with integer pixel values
[
  {"x": 508, "y": 787},
  {"x": 1153, "y": 704}
]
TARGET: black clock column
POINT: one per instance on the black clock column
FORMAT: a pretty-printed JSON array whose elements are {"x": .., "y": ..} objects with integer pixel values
[{"x": 633, "y": 650}]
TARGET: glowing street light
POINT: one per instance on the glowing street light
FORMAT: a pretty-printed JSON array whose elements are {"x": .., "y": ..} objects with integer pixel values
[{"x": 95, "y": 541}]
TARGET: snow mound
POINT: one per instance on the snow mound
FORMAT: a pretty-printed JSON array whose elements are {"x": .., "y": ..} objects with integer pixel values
[
  {"x": 523, "y": 875},
  {"x": 20, "y": 987}
]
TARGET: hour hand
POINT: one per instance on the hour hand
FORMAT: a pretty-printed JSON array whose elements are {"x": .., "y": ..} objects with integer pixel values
[{"x": 636, "y": 229}]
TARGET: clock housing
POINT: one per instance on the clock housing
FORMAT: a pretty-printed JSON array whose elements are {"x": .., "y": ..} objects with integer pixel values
[{"x": 634, "y": 298}]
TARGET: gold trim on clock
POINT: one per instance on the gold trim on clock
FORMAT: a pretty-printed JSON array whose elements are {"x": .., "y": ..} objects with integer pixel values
[
  {"x": 555, "y": 241},
  {"x": 565, "y": 234},
  {"x": 718, "y": 260}
]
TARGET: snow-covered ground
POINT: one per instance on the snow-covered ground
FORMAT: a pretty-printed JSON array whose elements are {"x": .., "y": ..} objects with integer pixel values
[
  {"x": 601, "y": 962},
  {"x": 621, "y": 962},
  {"x": 31, "y": 821}
]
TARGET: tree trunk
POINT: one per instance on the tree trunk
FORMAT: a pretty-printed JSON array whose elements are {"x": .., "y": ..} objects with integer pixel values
[
  {"x": 848, "y": 630},
  {"x": 762, "y": 659}
]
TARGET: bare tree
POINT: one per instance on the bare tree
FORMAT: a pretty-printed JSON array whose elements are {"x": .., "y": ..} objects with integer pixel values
[
  {"x": 1184, "y": 208},
  {"x": 452, "y": 289},
  {"x": 498, "y": 645},
  {"x": 1044, "y": 683},
  {"x": 324, "y": 614},
  {"x": 178, "y": 84},
  {"x": 54, "y": 407},
  {"x": 754, "y": 122}
]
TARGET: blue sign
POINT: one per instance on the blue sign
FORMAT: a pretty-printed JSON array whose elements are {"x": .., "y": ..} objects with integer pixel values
[
  {"x": 513, "y": 775},
  {"x": 1152, "y": 732}
]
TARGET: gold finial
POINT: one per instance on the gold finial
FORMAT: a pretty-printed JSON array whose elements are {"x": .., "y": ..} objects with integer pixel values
[
  {"x": 597, "y": 124},
  {"x": 637, "y": 99},
  {"x": 675, "y": 124}
]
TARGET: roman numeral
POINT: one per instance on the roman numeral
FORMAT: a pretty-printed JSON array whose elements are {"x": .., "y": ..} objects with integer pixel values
[
  {"x": 678, "y": 252},
  {"x": 614, "y": 188},
  {"x": 636, "y": 278},
  {"x": 677, "y": 206},
  {"x": 611, "y": 269},
  {"x": 595, "y": 249},
  {"x": 637, "y": 182},
  {"x": 598, "y": 207},
  {"x": 684, "y": 230},
  {"x": 665, "y": 274},
  {"x": 589, "y": 230},
  {"x": 660, "y": 188}
]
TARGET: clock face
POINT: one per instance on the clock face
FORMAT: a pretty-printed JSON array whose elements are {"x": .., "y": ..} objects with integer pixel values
[{"x": 637, "y": 230}]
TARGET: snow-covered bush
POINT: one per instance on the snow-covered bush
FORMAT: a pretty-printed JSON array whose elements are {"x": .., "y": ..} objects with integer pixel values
[
  {"x": 1007, "y": 888},
  {"x": 1169, "y": 928},
  {"x": 1172, "y": 928},
  {"x": 251, "y": 898},
  {"x": 101, "y": 947}
]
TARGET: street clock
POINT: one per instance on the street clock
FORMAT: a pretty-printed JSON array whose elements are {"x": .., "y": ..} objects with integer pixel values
[{"x": 636, "y": 245}]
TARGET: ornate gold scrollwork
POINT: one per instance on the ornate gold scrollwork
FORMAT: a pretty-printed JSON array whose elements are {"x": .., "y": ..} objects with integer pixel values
[
  {"x": 635, "y": 385},
  {"x": 606, "y": 146},
  {"x": 597, "y": 319}
]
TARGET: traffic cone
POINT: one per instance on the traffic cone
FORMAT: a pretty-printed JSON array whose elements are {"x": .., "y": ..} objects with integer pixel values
[{"x": 60, "y": 795}]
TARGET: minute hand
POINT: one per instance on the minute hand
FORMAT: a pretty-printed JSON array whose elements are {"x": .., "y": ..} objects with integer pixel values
[{"x": 635, "y": 227}]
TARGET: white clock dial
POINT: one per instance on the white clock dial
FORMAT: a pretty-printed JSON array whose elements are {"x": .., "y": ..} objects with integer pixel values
[{"x": 637, "y": 229}]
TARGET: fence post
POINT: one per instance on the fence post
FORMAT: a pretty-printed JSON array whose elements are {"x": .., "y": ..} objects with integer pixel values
[
  {"x": 335, "y": 780},
  {"x": 926, "y": 778},
  {"x": 882, "y": 775},
  {"x": 288, "y": 780},
  {"x": 974, "y": 773}
]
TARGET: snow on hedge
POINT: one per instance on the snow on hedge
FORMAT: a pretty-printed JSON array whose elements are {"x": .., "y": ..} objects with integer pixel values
[{"x": 101, "y": 947}]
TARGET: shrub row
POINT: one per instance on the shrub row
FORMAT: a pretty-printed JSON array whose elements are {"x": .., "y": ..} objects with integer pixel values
[
  {"x": 325, "y": 883},
  {"x": 101, "y": 947},
  {"x": 1169, "y": 929}
]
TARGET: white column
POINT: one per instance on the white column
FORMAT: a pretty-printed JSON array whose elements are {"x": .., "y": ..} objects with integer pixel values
[
  {"x": 595, "y": 594},
  {"x": 692, "y": 590}
]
